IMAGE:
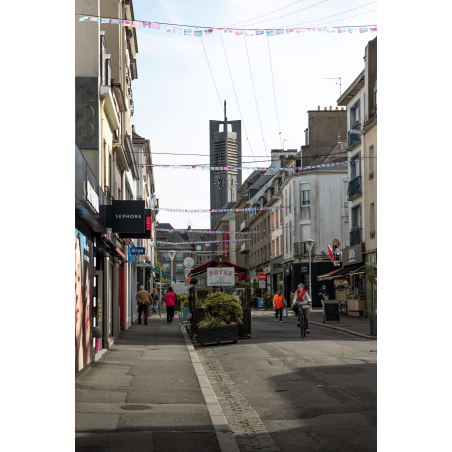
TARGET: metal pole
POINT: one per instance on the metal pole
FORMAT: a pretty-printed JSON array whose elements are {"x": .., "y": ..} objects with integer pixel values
[{"x": 310, "y": 278}]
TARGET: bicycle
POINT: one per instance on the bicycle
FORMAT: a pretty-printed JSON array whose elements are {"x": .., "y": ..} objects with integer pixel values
[
  {"x": 302, "y": 322},
  {"x": 154, "y": 308}
]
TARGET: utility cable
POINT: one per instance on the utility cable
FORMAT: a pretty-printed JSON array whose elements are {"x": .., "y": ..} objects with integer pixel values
[
  {"x": 334, "y": 15},
  {"x": 211, "y": 73},
  {"x": 349, "y": 17},
  {"x": 274, "y": 92},
  {"x": 288, "y": 14},
  {"x": 236, "y": 98},
  {"x": 255, "y": 97},
  {"x": 258, "y": 17}
]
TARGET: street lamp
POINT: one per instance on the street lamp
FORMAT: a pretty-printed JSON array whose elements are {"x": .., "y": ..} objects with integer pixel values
[
  {"x": 310, "y": 245},
  {"x": 172, "y": 255}
]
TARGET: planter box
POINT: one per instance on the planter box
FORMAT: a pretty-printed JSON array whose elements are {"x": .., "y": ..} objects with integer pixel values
[{"x": 228, "y": 333}]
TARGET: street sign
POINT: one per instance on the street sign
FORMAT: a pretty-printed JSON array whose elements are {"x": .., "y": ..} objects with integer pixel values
[
  {"x": 188, "y": 262},
  {"x": 262, "y": 284},
  {"x": 137, "y": 250},
  {"x": 261, "y": 302},
  {"x": 261, "y": 276}
]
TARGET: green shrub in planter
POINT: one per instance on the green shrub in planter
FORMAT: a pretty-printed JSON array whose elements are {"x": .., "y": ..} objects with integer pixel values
[
  {"x": 97, "y": 332},
  {"x": 224, "y": 307},
  {"x": 210, "y": 322},
  {"x": 268, "y": 301}
]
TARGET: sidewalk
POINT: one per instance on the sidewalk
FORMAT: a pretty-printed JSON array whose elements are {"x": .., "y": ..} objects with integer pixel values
[
  {"x": 353, "y": 325},
  {"x": 144, "y": 395}
]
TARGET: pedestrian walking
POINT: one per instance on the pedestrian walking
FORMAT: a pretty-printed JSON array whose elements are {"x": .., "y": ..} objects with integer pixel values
[
  {"x": 302, "y": 299},
  {"x": 278, "y": 303},
  {"x": 324, "y": 295},
  {"x": 170, "y": 301},
  {"x": 144, "y": 299}
]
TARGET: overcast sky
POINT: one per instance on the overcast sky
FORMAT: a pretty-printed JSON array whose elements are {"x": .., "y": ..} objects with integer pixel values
[{"x": 175, "y": 96}]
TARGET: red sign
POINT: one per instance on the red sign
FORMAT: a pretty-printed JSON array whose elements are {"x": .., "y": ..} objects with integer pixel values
[
  {"x": 226, "y": 245},
  {"x": 148, "y": 223},
  {"x": 330, "y": 252},
  {"x": 261, "y": 276}
]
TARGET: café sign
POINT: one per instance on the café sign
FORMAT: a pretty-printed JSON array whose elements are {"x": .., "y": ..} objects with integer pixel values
[{"x": 220, "y": 276}]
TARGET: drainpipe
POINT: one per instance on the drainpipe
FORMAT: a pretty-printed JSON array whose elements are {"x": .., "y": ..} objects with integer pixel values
[{"x": 102, "y": 150}]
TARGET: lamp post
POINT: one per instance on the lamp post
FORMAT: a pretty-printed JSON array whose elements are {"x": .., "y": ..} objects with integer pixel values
[
  {"x": 310, "y": 245},
  {"x": 172, "y": 255}
]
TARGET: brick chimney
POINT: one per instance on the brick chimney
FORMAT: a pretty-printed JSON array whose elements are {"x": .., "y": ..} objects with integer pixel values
[
  {"x": 331, "y": 107},
  {"x": 318, "y": 107}
]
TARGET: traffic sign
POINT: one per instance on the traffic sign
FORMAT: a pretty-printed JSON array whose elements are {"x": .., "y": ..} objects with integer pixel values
[
  {"x": 261, "y": 276},
  {"x": 188, "y": 262},
  {"x": 262, "y": 284}
]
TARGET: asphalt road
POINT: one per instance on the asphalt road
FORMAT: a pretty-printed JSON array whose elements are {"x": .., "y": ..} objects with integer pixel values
[{"x": 318, "y": 393}]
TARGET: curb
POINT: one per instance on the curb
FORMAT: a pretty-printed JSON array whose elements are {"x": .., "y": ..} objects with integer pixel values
[
  {"x": 226, "y": 439},
  {"x": 344, "y": 330}
]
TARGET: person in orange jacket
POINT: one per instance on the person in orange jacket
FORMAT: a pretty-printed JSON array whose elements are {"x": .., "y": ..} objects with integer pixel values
[{"x": 278, "y": 303}]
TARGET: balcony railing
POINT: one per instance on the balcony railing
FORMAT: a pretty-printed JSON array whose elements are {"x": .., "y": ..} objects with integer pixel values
[
  {"x": 356, "y": 236},
  {"x": 244, "y": 225},
  {"x": 300, "y": 249},
  {"x": 354, "y": 188},
  {"x": 354, "y": 138}
]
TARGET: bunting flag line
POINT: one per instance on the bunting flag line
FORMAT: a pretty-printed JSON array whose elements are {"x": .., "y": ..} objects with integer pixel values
[
  {"x": 248, "y": 209},
  {"x": 207, "y": 231},
  {"x": 254, "y": 168},
  {"x": 208, "y": 241},
  {"x": 196, "y": 252},
  {"x": 206, "y": 31}
]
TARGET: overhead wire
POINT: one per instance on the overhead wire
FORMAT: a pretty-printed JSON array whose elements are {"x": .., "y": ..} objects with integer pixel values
[
  {"x": 274, "y": 92},
  {"x": 255, "y": 97},
  {"x": 288, "y": 14},
  {"x": 334, "y": 15},
  {"x": 211, "y": 73},
  {"x": 266, "y": 14},
  {"x": 236, "y": 98}
]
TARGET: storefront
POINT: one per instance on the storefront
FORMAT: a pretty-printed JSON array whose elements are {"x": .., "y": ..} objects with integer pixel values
[
  {"x": 89, "y": 228},
  {"x": 371, "y": 285},
  {"x": 349, "y": 281},
  {"x": 276, "y": 275},
  {"x": 299, "y": 273}
]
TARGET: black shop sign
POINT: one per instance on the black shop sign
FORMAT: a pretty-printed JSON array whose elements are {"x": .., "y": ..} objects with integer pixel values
[
  {"x": 304, "y": 269},
  {"x": 128, "y": 216},
  {"x": 331, "y": 312}
]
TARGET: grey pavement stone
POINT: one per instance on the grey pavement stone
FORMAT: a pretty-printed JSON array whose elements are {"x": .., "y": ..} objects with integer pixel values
[
  {"x": 114, "y": 442},
  {"x": 94, "y": 422},
  {"x": 83, "y": 395}
]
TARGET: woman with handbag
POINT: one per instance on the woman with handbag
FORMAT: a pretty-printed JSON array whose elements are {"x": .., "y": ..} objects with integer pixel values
[
  {"x": 302, "y": 300},
  {"x": 278, "y": 303},
  {"x": 170, "y": 300}
]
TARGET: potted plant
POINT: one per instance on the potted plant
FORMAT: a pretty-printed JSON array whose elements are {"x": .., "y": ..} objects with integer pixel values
[
  {"x": 98, "y": 335},
  {"x": 223, "y": 314}
]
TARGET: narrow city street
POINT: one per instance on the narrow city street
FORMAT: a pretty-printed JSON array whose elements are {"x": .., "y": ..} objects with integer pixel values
[{"x": 278, "y": 392}]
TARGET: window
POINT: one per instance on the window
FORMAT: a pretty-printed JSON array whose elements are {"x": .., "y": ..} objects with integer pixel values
[
  {"x": 280, "y": 216},
  {"x": 306, "y": 197},
  {"x": 372, "y": 220},
  {"x": 166, "y": 268},
  {"x": 290, "y": 233},
  {"x": 179, "y": 256},
  {"x": 198, "y": 260},
  {"x": 371, "y": 162},
  {"x": 287, "y": 239},
  {"x": 273, "y": 220},
  {"x": 285, "y": 201},
  {"x": 277, "y": 247},
  {"x": 166, "y": 256},
  {"x": 305, "y": 232},
  {"x": 273, "y": 248},
  {"x": 179, "y": 268},
  {"x": 356, "y": 216},
  {"x": 198, "y": 247},
  {"x": 290, "y": 201},
  {"x": 355, "y": 166}
]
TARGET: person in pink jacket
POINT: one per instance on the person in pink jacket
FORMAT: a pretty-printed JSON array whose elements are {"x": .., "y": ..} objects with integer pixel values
[{"x": 170, "y": 301}]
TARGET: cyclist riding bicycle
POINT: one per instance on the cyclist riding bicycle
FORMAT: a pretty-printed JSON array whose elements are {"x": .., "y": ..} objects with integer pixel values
[{"x": 302, "y": 300}]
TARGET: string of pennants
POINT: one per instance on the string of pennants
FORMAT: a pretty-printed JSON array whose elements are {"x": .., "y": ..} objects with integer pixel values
[
  {"x": 254, "y": 168},
  {"x": 211, "y": 241},
  {"x": 248, "y": 209},
  {"x": 196, "y": 252},
  {"x": 198, "y": 231},
  {"x": 206, "y": 31}
]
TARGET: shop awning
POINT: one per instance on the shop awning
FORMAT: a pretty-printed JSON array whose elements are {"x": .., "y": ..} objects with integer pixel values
[
  {"x": 340, "y": 272},
  {"x": 203, "y": 268},
  {"x": 162, "y": 273}
]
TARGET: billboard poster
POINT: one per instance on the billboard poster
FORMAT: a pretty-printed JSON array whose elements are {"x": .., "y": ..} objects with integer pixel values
[{"x": 84, "y": 279}]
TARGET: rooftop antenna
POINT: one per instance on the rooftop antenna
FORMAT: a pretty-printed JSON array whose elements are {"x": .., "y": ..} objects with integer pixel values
[
  {"x": 340, "y": 83},
  {"x": 189, "y": 224}
]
